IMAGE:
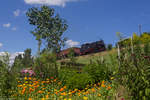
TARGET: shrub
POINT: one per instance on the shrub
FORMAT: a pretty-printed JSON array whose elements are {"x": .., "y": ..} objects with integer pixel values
[
  {"x": 79, "y": 81},
  {"x": 134, "y": 72},
  {"x": 65, "y": 74},
  {"x": 109, "y": 47},
  {"x": 45, "y": 65},
  {"x": 98, "y": 71}
]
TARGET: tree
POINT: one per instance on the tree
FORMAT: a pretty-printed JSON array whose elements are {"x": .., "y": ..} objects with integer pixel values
[
  {"x": 109, "y": 47},
  {"x": 27, "y": 59},
  {"x": 49, "y": 27}
]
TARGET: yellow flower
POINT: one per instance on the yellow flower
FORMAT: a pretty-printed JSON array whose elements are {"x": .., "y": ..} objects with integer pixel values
[
  {"x": 99, "y": 94},
  {"x": 112, "y": 78},
  {"x": 29, "y": 78},
  {"x": 61, "y": 97},
  {"x": 43, "y": 99},
  {"x": 65, "y": 99},
  {"x": 69, "y": 99},
  {"x": 25, "y": 78},
  {"x": 85, "y": 98}
]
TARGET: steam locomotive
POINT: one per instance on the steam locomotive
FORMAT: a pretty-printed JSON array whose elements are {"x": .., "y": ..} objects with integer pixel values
[{"x": 85, "y": 49}]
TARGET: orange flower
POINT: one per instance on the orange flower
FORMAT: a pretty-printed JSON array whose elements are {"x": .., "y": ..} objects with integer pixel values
[
  {"x": 99, "y": 95},
  {"x": 56, "y": 92},
  {"x": 73, "y": 91},
  {"x": 64, "y": 93},
  {"x": 93, "y": 90},
  {"x": 103, "y": 82},
  {"x": 47, "y": 96},
  {"x": 65, "y": 87},
  {"x": 23, "y": 91},
  {"x": 55, "y": 80},
  {"x": 40, "y": 91},
  {"x": 29, "y": 98},
  {"x": 103, "y": 85},
  {"x": 109, "y": 87},
  {"x": 61, "y": 89},
  {"x": 79, "y": 94}
]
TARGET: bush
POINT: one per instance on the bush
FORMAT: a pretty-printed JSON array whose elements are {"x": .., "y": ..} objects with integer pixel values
[
  {"x": 79, "y": 81},
  {"x": 7, "y": 77},
  {"x": 65, "y": 74},
  {"x": 98, "y": 71},
  {"x": 109, "y": 47},
  {"x": 46, "y": 66},
  {"x": 134, "y": 72}
]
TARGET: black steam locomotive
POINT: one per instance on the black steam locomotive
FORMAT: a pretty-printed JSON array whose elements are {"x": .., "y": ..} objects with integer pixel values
[
  {"x": 85, "y": 49},
  {"x": 93, "y": 47}
]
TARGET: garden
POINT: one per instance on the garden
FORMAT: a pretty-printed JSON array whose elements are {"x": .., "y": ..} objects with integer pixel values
[{"x": 119, "y": 73}]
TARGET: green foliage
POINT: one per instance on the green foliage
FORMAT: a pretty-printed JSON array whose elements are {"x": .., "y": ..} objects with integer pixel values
[
  {"x": 134, "y": 72},
  {"x": 109, "y": 47},
  {"x": 27, "y": 59},
  {"x": 71, "y": 55},
  {"x": 49, "y": 27},
  {"x": 7, "y": 78},
  {"x": 98, "y": 71},
  {"x": 79, "y": 81},
  {"x": 45, "y": 65},
  {"x": 145, "y": 37},
  {"x": 23, "y": 61},
  {"x": 65, "y": 74}
]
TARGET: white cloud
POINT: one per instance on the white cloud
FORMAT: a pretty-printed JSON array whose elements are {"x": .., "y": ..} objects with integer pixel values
[
  {"x": 49, "y": 2},
  {"x": 16, "y": 12},
  {"x": 71, "y": 43},
  {"x": 7, "y": 25},
  {"x": 14, "y": 28},
  {"x": 1, "y": 45}
]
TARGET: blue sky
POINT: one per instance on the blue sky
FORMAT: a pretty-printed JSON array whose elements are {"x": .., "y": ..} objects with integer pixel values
[{"x": 88, "y": 20}]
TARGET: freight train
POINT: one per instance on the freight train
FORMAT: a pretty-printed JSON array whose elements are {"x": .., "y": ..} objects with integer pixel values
[{"x": 85, "y": 49}]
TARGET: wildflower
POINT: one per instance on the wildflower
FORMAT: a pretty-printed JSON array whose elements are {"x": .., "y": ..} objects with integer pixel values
[
  {"x": 29, "y": 78},
  {"x": 69, "y": 99},
  {"x": 25, "y": 78},
  {"x": 56, "y": 92},
  {"x": 61, "y": 89},
  {"x": 47, "y": 96},
  {"x": 65, "y": 99},
  {"x": 65, "y": 87},
  {"x": 43, "y": 99},
  {"x": 79, "y": 94},
  {"x": 103, "y": 85},
  {"x": 109, "y": 87},
  {"x": 85, "y": 98},
  {"x": 55, "y": 80},
  {"x": 40, "y": 91},
  {"x": 64, "y": 93},
  {"x": 93, "y": 90},
  {"x": 103, "y": 82},
  {"x": 99, "y": 95},
  {"x": 29, "y": 98},
  {"x": 73, "y": 91}
]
